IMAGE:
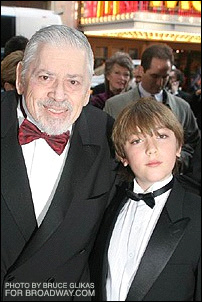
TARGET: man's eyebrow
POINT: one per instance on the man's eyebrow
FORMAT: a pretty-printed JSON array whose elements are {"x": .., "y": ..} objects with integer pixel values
[
  {"x": 44, "y": 71},
  {"x": 74, "y": 75}
]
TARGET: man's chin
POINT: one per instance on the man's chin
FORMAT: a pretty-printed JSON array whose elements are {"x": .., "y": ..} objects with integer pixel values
[{"x": 55, "y": 129}]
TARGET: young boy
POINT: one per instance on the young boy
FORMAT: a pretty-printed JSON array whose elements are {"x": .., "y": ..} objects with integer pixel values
[{"x": 148, "y": 248}]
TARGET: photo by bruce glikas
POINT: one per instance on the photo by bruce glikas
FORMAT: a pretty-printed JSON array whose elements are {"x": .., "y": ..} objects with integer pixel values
[{"x": 48, "y": 289}]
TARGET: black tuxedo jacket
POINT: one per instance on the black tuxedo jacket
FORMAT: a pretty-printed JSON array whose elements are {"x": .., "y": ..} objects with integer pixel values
[
  {"x": 58, "y": 250},
  {"x": 170, "y": 267}
]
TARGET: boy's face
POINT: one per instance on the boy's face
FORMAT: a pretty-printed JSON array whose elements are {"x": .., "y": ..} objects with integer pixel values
[{"x": 151, "y": 158}]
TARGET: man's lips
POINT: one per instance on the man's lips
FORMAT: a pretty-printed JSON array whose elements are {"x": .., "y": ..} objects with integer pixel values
[{"x": 56, "y": 110}]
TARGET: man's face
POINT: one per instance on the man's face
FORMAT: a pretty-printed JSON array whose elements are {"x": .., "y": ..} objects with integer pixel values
[
  {"x": 56, "y": 87},
  {"x": 155, "y": 78}
]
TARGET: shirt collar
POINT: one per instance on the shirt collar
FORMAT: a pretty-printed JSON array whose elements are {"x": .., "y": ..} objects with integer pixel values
[
  {"x": 144, "y": 93},
  {"x": 157, "y": 185}
]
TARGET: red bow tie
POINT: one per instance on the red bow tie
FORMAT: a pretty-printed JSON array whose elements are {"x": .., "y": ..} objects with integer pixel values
[{"x": 29, "y": 132}]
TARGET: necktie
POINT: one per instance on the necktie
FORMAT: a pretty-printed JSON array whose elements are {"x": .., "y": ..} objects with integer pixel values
[
  {"x": 149, "y": 197},
  {"x": 29, "y": 132}
]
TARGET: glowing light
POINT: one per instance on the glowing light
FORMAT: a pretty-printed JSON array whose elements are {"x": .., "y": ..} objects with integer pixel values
[
  {"x": 148, "y": 35},
  {"x": 156, "y": 3},
  {"x": 196, "y": 5},
  {"x": 171, "y": 4}
]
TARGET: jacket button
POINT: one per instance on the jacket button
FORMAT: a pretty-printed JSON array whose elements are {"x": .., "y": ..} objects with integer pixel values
[
  {"x": 10, "y": 278},
  {"x": 50, "y": 280}
]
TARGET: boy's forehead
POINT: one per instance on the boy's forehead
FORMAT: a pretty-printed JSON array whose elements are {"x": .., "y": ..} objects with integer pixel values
[{"x": 145, "y": 130}]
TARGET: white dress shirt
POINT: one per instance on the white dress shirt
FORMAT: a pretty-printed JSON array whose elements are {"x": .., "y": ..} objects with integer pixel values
[
  {"x": 144, "y": 93},
  {"x": 44, "y": 168},
  {"x": 131, "y": 234}
]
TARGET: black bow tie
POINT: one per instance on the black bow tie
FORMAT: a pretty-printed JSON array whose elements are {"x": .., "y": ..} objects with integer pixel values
[{"x": 149, "y": 197}]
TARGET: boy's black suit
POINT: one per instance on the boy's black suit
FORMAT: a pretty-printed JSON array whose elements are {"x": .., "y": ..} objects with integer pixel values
[{"x": 170, "y": 267}]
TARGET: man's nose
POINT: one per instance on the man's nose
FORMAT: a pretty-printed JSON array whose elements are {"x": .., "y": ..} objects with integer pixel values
[{"x": 58, "y": 91}]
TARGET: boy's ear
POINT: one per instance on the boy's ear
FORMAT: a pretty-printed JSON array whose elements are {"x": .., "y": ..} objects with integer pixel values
[
  {"x": 124, "y": 162},
  {"x": 178, "y": 153},
  {"x": 19, "y": 85}
]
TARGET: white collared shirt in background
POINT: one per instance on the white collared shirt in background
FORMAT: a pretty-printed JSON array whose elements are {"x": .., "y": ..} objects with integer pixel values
[
  {"x": 144, "y": 94},
  {"x": 131, "y": 234}
]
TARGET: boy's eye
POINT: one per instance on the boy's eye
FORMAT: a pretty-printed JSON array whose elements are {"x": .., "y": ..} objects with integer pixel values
[
  {"x": 162, "y": 136},
  {"x": 136, "y": 141}
]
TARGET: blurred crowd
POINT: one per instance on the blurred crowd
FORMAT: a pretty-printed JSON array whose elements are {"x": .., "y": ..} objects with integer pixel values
[
  {"x": 116, "y": 75},
  {"x": 112, "y": 81}
]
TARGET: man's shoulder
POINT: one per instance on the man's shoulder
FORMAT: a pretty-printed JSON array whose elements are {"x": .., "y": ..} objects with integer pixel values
[
  {"x": 98, "y": 125},
  {"x": 96, "y": 115},
  {"x": 116, "y": 104},
  {"x": 122, "y": 96},
  {"x": 177, "y": 101}
]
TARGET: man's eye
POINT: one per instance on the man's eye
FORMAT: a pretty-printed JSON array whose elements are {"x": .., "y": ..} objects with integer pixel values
[
  {"x": 73, "y": 82},
  {"x": 44, "y": 77}
]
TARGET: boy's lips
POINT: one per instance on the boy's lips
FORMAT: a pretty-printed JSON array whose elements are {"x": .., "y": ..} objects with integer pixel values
[{"x": 153, "y": 163}]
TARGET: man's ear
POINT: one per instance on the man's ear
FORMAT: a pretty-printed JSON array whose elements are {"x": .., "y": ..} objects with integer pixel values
[
  {"x": 19, "y": 85},
  {"x": 87, "y": 97}
]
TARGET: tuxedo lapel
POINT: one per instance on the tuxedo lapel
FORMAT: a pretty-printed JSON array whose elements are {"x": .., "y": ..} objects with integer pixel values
[
  {"x": 164, "y": 240},
  {"x": 73, "y": 175},
  {"x": 15, "y": 185}
]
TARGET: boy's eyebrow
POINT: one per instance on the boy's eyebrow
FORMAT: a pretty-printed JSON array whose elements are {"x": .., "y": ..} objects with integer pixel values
[
  {"x": 160, "y": 127},
  {"x": 138, "y": 131}
]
